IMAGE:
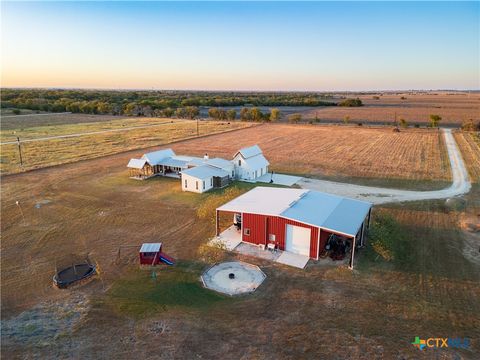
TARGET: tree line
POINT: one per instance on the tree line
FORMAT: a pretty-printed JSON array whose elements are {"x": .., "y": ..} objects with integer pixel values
[{"x": 150, "y": 103}]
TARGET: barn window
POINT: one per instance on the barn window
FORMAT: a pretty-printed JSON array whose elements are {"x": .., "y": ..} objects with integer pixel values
[
  {"x": 246, "y": 232},
  {"x": 271, "y": 237},
  {"x": 186, "y": 184},
  {"x": 211, "y": 181},
  {"x": 196, "y": 185},
  {"x": 239, "y": 162}
]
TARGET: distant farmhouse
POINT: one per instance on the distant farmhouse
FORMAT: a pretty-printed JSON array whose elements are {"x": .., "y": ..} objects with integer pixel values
[{"x": 201, "y": 174}]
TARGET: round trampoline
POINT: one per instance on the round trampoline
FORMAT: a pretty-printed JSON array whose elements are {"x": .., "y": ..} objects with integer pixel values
[
  {"x": 233, "y": 278},
  {"x": 73, "y": 274}
]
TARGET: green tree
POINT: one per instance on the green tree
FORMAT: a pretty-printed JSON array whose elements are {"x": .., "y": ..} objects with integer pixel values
[
  {"x": 403, "y": 123},
  {"x": 294, "y": 118},
  {"x": 213, "y": 113},
  {"x": 231, "y": 114},
  {"x": 192, "y": 112},
  {"x": 168, "y": 112},
  {"x": 256, "y": 114},
  {"x": 274, "y": 114},
  {"x": 181, "y": 113},
  {"x": 346, "y": 119},
  {"x": 435, "y": 120},
  {"x": 245, "y": 114}
]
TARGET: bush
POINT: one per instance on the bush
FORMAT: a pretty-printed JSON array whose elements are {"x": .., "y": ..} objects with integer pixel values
[
  {"x": 351, "y": 103},
  {"x": 470, "y": 125},
  {"x": 16, "y": 111},
  {"x": 212, "y": 253}
]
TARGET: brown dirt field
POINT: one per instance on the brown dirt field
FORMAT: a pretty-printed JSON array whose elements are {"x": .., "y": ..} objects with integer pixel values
[
  {"x": 416, "y": 108},
  {"x": 470, "y": 149},
  {"x": 325, "y": 151}
]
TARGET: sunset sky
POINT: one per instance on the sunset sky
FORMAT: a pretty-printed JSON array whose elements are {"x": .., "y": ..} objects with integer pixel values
[{"x": 242, "y": 46}]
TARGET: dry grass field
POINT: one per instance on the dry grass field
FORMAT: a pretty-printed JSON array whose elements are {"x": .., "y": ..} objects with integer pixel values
[
  {"x": 50, "y": 119},
  {"x": 92, "y": 207},
  {"x": 39, "y": 154},
  {"x": 415, "y": 109},
  {"x": 337, "y": 151},
  {"x": 469, "y": 144}
]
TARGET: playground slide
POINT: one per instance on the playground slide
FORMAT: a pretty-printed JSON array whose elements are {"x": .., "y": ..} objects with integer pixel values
[{"x": 166, "y": 259}]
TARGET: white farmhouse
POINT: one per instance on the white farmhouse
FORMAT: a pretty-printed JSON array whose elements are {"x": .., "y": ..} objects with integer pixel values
[
  {"x": 203, "y": 178},
  {"x": 250, "y": 163}
]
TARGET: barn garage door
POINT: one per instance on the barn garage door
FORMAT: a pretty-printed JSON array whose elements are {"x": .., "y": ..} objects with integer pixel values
[{"x": 298, "y": 240}]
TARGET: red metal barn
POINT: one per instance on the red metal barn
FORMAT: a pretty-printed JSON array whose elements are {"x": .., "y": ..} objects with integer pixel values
[{"x": 297, "y": 220}]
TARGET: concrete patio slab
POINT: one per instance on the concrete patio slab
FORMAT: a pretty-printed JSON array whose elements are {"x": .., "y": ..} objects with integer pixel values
[
  {"x": 229, "y": 238},
  {"x": 279, "y": 179},
  {"x": 233, "y": 278},
  {"x": 291, "y": 259}
]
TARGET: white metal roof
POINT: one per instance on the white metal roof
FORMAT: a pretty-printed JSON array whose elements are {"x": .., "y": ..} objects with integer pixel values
[
  {"x": 315, "y": 208},
  {"x": 264, "y": 200},
  {"x": 256, "y": 162},
  {"x": 250, "y": 151},
  {"x": 136, "y": 163},
  {"x": 173, "y": 162},
  {"x": 205, "y": 172},
  {"x": 155, "y": 157},
  {"x": 220, "y": 163},
  {"x": 150, "y": 247}
]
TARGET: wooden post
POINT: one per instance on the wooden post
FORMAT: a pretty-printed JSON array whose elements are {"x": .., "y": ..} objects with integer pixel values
[
  {"x": 217, "y": 225},
  {"x": 353, "y": 253}
]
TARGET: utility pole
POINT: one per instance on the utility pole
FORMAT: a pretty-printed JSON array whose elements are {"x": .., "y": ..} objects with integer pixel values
[
  {"x": 20, "y": 151},
  {"x": 197, "y": 126}
]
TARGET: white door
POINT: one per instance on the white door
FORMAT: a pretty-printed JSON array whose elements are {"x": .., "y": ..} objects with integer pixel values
[{"x": 298, "y": 240}]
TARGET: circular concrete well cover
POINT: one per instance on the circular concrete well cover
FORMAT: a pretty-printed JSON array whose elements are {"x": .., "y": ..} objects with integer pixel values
[{"x": 246, "y": 278}]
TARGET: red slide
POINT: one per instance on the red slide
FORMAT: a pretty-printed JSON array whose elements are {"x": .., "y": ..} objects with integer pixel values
[{"x": 166, "y": 259}]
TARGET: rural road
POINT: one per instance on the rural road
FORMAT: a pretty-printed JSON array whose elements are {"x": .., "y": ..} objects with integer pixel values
[{"x": 376, "y": 195}]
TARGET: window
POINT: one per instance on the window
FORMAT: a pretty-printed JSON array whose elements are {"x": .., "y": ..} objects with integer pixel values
[
  {"x": 196, "y": 185},
  {"x": 233, "y": 174},
  {"x": 261, "y": 171},
  {"x": 246, "y": 232},
  {"x": 271, "y": 237},
  {"x": 186, "y": 184},
  {"x": 256, "y": 174},
  {"x": 204, "y": 184},
  {"x": 239, "y": 162},
  {"x": 211, "y": 181}
]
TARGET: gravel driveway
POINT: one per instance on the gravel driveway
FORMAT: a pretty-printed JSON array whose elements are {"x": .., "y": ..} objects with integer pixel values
[{"x": 460, "y": 185}]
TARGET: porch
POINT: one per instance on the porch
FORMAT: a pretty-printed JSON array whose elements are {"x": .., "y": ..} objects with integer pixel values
[{"x": 231, "y": 239}]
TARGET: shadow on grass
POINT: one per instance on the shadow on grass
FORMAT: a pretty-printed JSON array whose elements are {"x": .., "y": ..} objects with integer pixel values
[{"x": 139, "y": 293}]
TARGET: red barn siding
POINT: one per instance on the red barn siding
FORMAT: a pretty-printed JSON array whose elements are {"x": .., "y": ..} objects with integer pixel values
[
  {"x": 256, "y": 224},
  {"x": 262, "y": 225}
]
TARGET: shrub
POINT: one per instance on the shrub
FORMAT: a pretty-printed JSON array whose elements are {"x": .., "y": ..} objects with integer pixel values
[
  {"x": 470, "y": 125},
  {"x": 351, "y": 103},
  {"x": 16, "y": 111},
  {"x": 212, "y": 253}
]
